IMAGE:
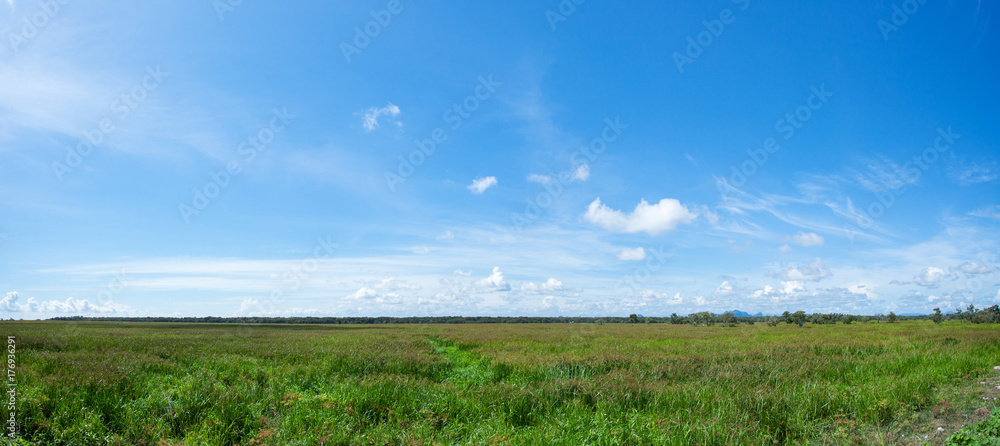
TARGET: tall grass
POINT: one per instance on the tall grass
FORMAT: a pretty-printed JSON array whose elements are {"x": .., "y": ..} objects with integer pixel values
[{"x": 215, "y": 384}]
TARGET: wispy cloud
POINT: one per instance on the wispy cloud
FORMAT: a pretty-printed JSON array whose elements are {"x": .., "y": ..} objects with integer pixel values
[
  {"x": 632, "y": 254},
  {"x": 370, "y": 117},
  {"x": 992, "y": 211},
  {"x": 479, "y": 185}
]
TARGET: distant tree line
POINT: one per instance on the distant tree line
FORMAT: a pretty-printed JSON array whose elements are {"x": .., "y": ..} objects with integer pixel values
[{"x": 990, "y": 315}]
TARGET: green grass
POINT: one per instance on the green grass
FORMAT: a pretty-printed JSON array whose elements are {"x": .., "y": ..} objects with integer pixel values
[{"x": 571, "y": 384}]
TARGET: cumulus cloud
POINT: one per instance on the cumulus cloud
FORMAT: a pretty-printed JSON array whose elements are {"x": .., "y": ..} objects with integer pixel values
[
  {"x": 930, "y": 277},
  {"x": 792, "y": 286},
  {"x": 370, "y": 117},
  {"x": 582, "y": 172},
  {"x": 548, "y": 286},
  {"x": 540, "y": 179},
  {"x": 653, "y": 219},
  {"x": 382, "y": 290},
  {"x": 810, "y": 272},
  {"x": 632, "y": 254},
  {"x": 808, "y": 240},
  {"x": 651, "y": 296},
  {"x": 479, "y": 185},
  {"x": 363, "y": 293},
  {"x": 70, "y": 306},
  {"x": 724, "y": 289},
  {"x": 495, "y": 281},
  {"x": 863, "y": 288},
  {"x": 975, "y": 268}
]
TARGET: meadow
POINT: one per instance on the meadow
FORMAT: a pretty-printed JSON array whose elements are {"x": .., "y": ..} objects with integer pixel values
[{"x": 103, "y": 383}]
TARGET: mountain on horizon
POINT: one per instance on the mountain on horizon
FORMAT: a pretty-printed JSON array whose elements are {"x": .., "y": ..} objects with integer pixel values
[{"x": 739, "y": 313}]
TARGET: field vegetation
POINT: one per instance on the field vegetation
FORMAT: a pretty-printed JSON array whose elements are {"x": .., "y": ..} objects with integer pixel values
[{"x": 130, "y": 383}]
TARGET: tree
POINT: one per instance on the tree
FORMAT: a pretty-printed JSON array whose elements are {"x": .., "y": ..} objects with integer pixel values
[
  {"x": 799, "y": 317},
  {"x": 847, "y": 318},
  {"x": 937, "y": 317},
  {"x": 787, "y": 317},
  {"x": 890, "y": 318},
  {"x": 727, "y": 319},
  {"x": 633, "y": 318}
]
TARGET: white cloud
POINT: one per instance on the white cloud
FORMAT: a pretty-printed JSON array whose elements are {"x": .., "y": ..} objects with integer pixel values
[
  {"x": 930, "y": 277},
  {"x": 447, "y": 235},
  {"x": 479, "y": 185},
  {"x": 495, "y": 281},
  {"x": 792, "y": 287},
  {"x": 632, "y": 254},
  {"x": 885, "y": 175},
  {"x": 540, "y": 179},
  {"x": 863, "y": 288},
  {"x": 9, "y": 302},
  {"x": 969, "y": 174},
  {"x": 363, "y": 293},
  {"x": 975, "y": 268},
  {"x": 459, "y": 272},
  {"x": 420, "y": 250},
  {"x": 785, "y": 248},
  {"x": 808, "y": 240},
  {"x": 987, "y": 212},
  {"x": 812, "y": 272},
  {"x": 370, "y": 117},
  {"x": 653, "y": 219},
  {"x": 582, "y": 172},
  {"x": 71, "y": 306},
  {"x": 766, "y": 291},
  {"x": 661, "y": 298},
  {"x": 545, "y": 287},
  {"x": 724, "y": 289},
  {"x": 383, "y": 289}
]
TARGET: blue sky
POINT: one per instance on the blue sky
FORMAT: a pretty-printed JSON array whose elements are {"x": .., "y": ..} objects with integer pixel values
[{"x": 512, "y": 158}]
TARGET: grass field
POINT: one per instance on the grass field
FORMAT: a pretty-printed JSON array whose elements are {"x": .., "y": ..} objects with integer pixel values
[{"x": 572, "y": 384}]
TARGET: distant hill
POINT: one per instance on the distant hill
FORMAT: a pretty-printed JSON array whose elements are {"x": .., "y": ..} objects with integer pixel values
[{"x": 739, "y": 313}]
